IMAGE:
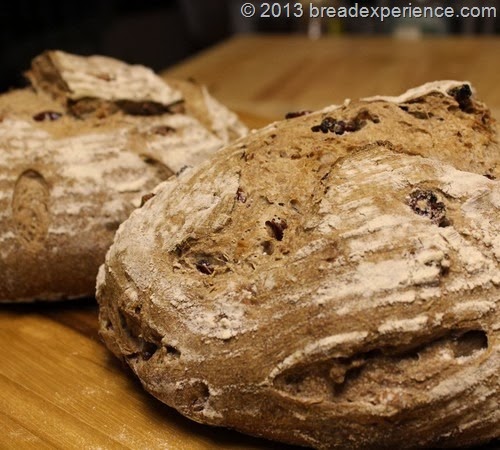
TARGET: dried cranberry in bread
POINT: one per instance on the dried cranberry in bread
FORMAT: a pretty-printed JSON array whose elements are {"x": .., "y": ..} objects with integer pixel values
[
  {"x": 331, "y": 280},
  {"x": 78, "y": 150}
]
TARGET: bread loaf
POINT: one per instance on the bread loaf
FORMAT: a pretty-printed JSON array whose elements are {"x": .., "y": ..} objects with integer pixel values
[
  {"x": 331, "y": 280},
  {"x": 78, "y": 150}
]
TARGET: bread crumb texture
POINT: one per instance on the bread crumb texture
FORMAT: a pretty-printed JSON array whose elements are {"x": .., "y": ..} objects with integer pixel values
[
  {"x": 78, "y": 150},
  {"x": 331, "y": 280}
]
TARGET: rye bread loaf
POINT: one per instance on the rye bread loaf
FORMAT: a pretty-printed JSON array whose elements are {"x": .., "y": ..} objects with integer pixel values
[
  {"x": 78, "y": 150},
  {"x": 331, "y": 280}
]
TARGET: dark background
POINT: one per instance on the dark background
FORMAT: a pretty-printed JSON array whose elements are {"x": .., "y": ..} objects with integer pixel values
[{"x": 158, "y": 33}]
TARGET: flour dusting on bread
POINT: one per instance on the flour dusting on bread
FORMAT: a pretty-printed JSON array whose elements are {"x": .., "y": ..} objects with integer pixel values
[
  {"x": 78, "y": 151},
  {"x": 335, "y": 274}
]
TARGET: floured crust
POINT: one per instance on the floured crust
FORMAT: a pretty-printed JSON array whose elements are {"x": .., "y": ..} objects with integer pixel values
[
  {"x": 70, "y": 173},
  {"x": 334, "y": 289},
  {"x": 211, "y": 113},
  {"x": 78, "y": 77}
]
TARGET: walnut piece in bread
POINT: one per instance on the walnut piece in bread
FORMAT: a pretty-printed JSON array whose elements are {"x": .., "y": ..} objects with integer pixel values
[
  {"x": 78, "y": 150},
  {"x": 331, "y": 280}
]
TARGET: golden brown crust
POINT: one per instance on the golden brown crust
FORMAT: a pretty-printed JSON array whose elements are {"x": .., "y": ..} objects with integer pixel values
[
  {"x": 334, "y": 289},
  {"x": 78, "y": 150}
]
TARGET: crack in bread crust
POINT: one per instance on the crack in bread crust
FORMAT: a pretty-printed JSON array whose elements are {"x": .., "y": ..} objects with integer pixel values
[
  {"x": 340, "y": 283},
  {"x": 78, "y": 151}
]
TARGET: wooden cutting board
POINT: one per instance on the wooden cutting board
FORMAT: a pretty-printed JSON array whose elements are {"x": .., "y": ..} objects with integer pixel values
[
  {"x": 270, "y": 75},
  {"x": 59, "y": 386}
]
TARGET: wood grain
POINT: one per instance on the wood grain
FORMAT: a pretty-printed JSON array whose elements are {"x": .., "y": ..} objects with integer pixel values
[
  {"x": 59, "y": 386},
  {"x": 269, "y": 76}
]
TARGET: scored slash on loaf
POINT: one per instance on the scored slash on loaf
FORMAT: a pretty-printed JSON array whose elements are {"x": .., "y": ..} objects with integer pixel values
[
  {"x": 331, "y": 280},
  {"x": 78, "y": 150}
]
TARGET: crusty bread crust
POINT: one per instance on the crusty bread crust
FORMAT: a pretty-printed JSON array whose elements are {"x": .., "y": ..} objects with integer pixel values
[
  {"x": 77, "y": 153},
  {"x": 331, "y": 280}
]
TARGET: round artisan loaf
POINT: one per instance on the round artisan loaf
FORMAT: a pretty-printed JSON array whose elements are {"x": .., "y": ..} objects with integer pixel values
[
  {"x": 78, "y": 150},
  {"x": 331, "y": 280}
]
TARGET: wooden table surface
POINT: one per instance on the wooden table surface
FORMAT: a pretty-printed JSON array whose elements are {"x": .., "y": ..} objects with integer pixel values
[
  {"x": 59, "y": 387},
  {"x": 268, "y": 76}
]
